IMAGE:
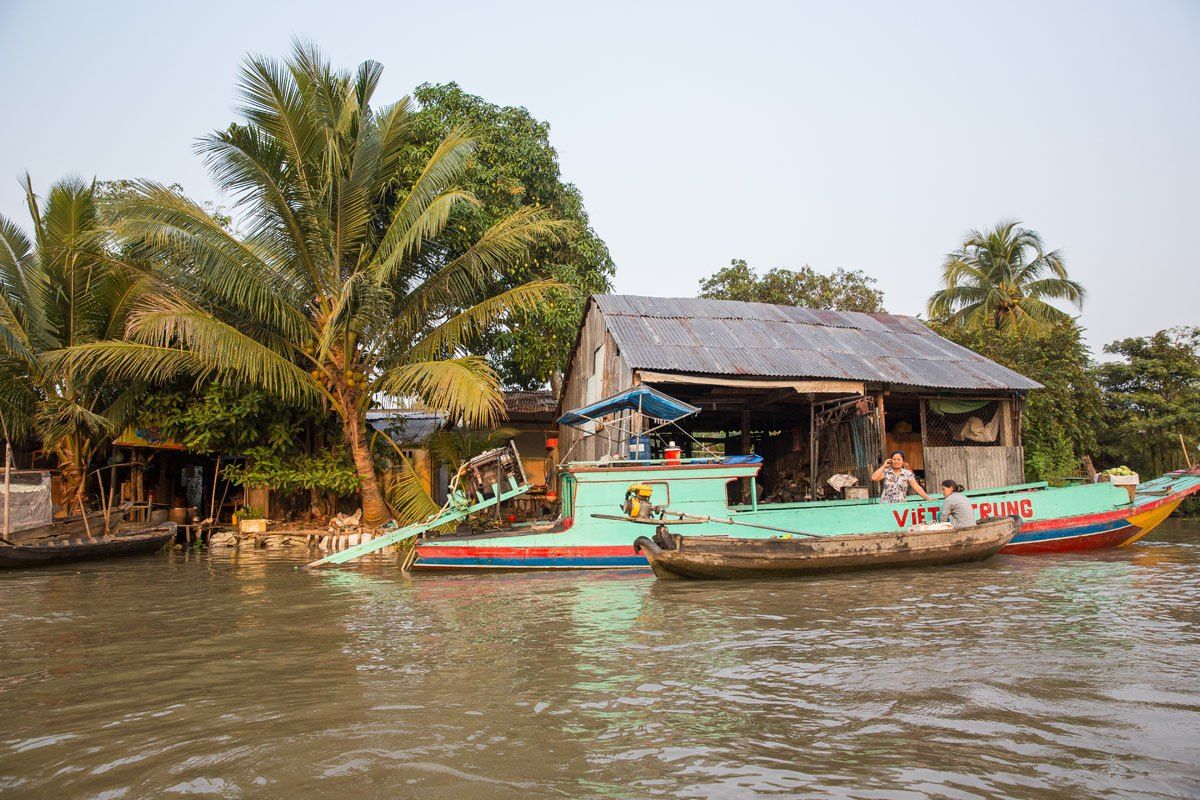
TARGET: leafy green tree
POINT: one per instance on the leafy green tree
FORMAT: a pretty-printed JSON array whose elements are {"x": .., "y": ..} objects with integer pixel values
[
  {"x": 62, "y": 289},
  {"x": 842, "y": 290},
  {"x": 1059, "y": 421},
  {"x": 1152, "y": 396},
  {"x": 514, "y": 167},
  {"x": 347, "y": 283},
  {"x": 1004, "y": 278}
]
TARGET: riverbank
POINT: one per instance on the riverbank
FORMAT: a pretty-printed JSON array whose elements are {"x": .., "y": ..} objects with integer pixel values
[{"x": 232, "y": 674}]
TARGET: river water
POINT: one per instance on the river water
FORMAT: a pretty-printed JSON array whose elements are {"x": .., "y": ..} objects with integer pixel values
[{"x": 235, "y": 675}]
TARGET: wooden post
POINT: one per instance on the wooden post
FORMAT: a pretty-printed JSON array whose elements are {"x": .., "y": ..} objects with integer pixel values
[
  {"x": 112, "y": 486},
  {"x": 212, "y": 509},
  {"x": 879, "y": 411},
  {"x": 812, "y": 446},
  {"x": 1182, "y": 444},
  {"x": 87, "y": 526},
  {"x": 7, "y": 485}
]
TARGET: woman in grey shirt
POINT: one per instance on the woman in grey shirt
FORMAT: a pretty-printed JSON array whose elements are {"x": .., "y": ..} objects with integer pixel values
[{"x": 956, "y": 508}]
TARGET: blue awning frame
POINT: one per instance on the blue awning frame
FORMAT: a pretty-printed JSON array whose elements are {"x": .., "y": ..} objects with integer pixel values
[{"x": 642, "y": 400}]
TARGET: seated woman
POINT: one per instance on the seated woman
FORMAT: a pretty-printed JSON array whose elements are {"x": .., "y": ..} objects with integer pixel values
[
  {"x": 897, "y": 480},
  {"x": 956, "y": 508}
]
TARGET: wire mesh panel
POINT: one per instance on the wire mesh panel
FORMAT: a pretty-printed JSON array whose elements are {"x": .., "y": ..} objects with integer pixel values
[{"x": 964, "y": 423}]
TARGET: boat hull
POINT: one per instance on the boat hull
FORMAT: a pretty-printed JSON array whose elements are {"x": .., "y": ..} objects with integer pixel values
[
  {"x": 20, "y": 556},
  {"x": 720, "y": 557},
  {"x": 1054, "y": 520}
]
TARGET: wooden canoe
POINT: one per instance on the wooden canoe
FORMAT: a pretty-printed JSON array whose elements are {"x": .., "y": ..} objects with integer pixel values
[
  {"x": 673, "y": 556},
  {"x": 70, "y": 527},
  {"x": 136, "y": 542}
]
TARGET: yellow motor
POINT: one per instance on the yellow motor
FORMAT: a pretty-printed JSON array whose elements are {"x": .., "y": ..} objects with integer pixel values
[{"x": 637, "y": 500}]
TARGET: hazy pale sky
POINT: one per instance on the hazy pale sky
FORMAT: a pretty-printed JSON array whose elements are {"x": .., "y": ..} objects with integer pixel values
[{"x": 860, "y": 135}]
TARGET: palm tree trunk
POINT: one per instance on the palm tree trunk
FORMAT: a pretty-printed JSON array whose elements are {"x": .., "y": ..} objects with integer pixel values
[
  {"x": 70, "y": 469},
  {"x": 375, "y": 508}
]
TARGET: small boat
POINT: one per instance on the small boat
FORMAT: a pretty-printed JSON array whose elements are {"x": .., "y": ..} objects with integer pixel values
[
  {"x": 72, "y": 527},
  {"x": 35, "y": 554},
  {"x": 673, "y": 556}
]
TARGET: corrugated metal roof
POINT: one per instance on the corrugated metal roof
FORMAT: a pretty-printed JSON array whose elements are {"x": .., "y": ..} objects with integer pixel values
[
  {"x": 538, "y": 401},
  {"x": 725, "y": 337},
  {"x": 406, "y": 427}
]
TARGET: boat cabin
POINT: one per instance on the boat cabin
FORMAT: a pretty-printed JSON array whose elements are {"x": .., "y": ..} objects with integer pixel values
[{"x": 816, "y": 394}]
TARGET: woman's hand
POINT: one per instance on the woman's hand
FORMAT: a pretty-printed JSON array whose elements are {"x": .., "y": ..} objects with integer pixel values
[{"x": 916, "y": 487}]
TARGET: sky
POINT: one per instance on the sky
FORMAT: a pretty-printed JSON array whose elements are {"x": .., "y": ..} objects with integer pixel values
[{"x": 860, "y": 135}]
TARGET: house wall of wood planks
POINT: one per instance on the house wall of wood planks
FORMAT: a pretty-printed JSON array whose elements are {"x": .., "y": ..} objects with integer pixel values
[{"x": 591, "y": 377}]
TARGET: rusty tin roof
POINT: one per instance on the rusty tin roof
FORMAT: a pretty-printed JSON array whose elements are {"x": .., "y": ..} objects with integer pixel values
[{"x": 726, "y": 337}]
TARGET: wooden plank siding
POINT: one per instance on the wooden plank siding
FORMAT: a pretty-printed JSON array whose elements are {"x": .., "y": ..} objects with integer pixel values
[
  {"x": 615, "y": 376},
  {"x": 974, "y": 467}
]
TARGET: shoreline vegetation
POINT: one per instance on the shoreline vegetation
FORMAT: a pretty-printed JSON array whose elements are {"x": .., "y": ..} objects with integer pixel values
[{"x": 428, "y": 251}]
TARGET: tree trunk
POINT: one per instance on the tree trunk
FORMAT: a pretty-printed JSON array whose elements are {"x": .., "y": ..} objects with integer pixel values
[
  {"x": 375, "y": 508},
  {"x": 71, "y": 472}
]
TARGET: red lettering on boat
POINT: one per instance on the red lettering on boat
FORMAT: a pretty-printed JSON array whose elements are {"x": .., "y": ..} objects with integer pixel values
[
  {"x": 901, "y": 517},
  {"x": 1027, "y": 508}
]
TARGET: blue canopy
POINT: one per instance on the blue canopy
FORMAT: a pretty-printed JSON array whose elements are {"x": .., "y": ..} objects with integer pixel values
[{"x": 641, "y": 399}]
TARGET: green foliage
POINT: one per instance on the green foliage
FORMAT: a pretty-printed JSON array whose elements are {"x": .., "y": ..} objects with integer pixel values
[
  {"x": 61, "y": 287},
  {"x": 1152, "y": 396},
  {"x": 1002, "y": 279},
  {"x": 514, "y": 167},
  {"x": 1059, "y": 421},
  {"x": 842, "y": 290},
  {"x": 265, "y": 466},
  {"x": 454, "y": 447},
  {"x": 220, "y": 418},
  {"x": 348, "y": 281}
]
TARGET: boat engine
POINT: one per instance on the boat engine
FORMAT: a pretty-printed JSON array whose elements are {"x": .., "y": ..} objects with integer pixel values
[{"x": 637, "y": 501}]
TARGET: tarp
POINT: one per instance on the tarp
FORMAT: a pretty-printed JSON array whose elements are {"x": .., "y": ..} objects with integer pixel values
[
  {"x": 29, "y": 503},
  {"x": 641, "y": 399}
]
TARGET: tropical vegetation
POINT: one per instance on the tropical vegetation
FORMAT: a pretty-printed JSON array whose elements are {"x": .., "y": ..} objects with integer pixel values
[
  {"x": 347, "y": 283},
  {"x": 514, "y": 166},
  {"x": 841, "y": 290},
  {"x": 1004, "y": 278},
  {"x": 61, "y": 288},
  {"x": 1152, "y": 400}
]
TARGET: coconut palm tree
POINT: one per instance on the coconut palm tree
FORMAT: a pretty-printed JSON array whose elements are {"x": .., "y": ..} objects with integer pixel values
[
  {"x": 58, "y": 290},
  {"x": 1004, "y": 279},
  {"x": 338, "y": 289}
]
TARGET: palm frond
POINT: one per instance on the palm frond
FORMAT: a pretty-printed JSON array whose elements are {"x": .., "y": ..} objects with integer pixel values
[{"x": 466, "y": 388}]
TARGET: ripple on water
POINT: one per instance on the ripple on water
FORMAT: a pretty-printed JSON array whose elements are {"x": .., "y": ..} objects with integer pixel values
[{"x": 234, "y": 675}]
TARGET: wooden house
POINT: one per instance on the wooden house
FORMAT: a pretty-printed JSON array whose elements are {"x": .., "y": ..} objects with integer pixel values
[{"x": 815, "y": 393}]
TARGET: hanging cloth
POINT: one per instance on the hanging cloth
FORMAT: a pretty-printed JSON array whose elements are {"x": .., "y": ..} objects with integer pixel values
[
  {"x": 976, "y": 430},
  {"x": 955, "y": 406}
]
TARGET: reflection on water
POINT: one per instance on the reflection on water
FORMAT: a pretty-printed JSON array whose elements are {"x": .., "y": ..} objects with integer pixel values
[{"x": 235, "y": 675}]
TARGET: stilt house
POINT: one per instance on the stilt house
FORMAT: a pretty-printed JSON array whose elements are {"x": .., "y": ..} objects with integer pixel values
[{"x": 815, "y": 393}]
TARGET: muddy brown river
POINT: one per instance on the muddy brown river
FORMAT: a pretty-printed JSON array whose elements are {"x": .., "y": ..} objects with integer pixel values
[{"x": 234, "y": 675}]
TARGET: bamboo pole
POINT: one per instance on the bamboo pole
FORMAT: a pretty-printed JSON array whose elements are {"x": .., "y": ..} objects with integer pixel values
[
  {"x": 1182, "y": 444},
  {"x": 103, "y": 501},
  {"x": 87, "y": 526},
  {"x": 112, "y": 485}
]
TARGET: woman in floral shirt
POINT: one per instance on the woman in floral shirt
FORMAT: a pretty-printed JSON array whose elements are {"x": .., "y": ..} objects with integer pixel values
[{"x": 897, "y": 480}]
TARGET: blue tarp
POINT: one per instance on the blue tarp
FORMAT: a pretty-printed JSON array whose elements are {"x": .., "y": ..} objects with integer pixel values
[
  {"x": 641, "y": 399},
  {"x": 753, "y": 458}
]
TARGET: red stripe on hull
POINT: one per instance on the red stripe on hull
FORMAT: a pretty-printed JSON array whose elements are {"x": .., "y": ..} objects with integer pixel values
[
  {"x": 1071, "y": 543},
  {"x": 524, "y": 552}
]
